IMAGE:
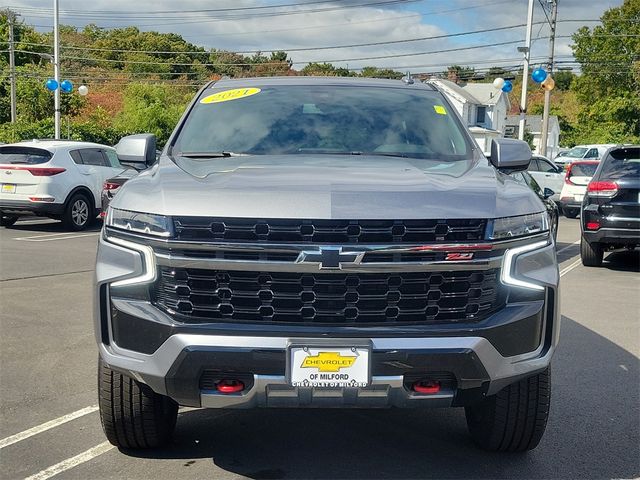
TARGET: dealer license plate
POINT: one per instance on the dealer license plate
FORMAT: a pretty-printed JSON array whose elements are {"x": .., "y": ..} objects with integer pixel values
[
  {"x": 8, "y": 188},
  {"x": 329, "y": 367}
]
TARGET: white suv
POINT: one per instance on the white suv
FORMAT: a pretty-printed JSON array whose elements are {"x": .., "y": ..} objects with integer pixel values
[
  {"x": 584, "y": 152},
  {"x": 53, "y": 178}
]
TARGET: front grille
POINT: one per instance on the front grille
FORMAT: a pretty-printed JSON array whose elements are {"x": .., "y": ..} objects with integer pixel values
[
  {"x": 328, "y": 231},
  {"x": 199, "y": 295}
]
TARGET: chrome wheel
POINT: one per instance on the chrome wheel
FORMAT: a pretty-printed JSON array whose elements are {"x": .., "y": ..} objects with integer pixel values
[{"x": 80, "y": 212}]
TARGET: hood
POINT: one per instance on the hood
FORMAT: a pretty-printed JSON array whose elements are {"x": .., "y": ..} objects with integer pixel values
[{"x": 327, "y": 187}]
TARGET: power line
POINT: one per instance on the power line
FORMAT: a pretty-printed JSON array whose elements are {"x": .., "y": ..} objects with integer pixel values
[
  {"x": 333, "y": 25},
  {"x": 37, "y": 12},
  {"x": 161, "y": 12},
  {"x": 377, "y": 57},
  {"x": 301, "y": 49},
  {"x": 544, "y": 10}
]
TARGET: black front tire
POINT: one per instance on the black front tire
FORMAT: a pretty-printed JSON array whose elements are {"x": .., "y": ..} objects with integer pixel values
[
  {"x": 78, "y": 214},
  {"x": 591, "y": 254},
  {"x": 133, "y": 416},
  {"x": 8, "y": 220},
  {"x": 571, "y": 212},
  {"x": 514, "y": 419}
]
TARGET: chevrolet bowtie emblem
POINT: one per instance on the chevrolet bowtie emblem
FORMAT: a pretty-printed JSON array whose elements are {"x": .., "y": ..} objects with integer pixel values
[
  {"x": 330, "y": 258},
  {"x": 328, "y": 361}
]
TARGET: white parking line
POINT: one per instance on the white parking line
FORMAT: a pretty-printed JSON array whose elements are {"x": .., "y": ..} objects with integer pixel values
[
  {"x": 72, "y": 462},
  {"x": 577, "y": 242},
  {"x": 5, "y": 442},
  {"x": 50, "y": 237},
  {"x": 566, "y": 270},
  {"x": 34, "y": 222}
]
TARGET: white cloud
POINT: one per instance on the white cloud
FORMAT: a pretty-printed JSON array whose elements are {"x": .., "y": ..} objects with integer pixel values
[{"x": 343, "y": 27}]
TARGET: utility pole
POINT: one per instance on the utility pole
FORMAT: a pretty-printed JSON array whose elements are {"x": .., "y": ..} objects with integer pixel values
[
  {"x": 525, "y": 72},
  {"x": 56, "y": 68},
  {"x": 11, "y": 19},
  {"x": 547, "y": 93}
]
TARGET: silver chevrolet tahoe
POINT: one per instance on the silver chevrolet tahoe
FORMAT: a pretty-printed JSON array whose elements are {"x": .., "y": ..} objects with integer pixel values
[{"x": 325, "y": 242}]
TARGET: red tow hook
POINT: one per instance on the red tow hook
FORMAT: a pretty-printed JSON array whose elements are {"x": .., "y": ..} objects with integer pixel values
[
  {"x": 426, "y": 386},
  {"x": 229, "y": 386}
]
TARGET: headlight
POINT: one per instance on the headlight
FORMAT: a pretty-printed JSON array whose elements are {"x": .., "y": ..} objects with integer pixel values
[
  {"x": 521, "y": 226},
  {"x": 147, "y": 223}
]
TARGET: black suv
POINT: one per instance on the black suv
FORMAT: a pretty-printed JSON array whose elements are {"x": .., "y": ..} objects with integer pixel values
[
  {"x": 326, "y": 242},
  {"x": 611, "y": 207}
]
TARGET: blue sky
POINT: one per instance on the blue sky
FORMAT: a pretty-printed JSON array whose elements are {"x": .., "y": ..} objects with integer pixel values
[{"x": 314, "y": 23}]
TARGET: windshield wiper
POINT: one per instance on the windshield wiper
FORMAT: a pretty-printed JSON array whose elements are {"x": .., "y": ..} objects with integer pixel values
[
  {"x": 209, "y": 154},
  {"x": 389, "y": 154}
]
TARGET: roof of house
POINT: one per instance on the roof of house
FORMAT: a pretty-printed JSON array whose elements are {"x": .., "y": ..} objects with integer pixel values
[
  {"x": 485, "y": 93},
  {"x": 455, "y": 89},
  {"x": 476, "y": 93},
  {"x": 533, "y": 122},
  {"x": 483, "y": 130}
]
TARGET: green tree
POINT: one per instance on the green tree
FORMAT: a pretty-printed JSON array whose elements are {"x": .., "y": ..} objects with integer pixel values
[
  {"x": 564, "y": 80},
  {"x": 319, "y": 69},
  {"x": 28, "y": 43},
  {"x": 495, "y": 72},
  {"x": 375, "y": 72},
  {"x": 609, "y": 87},
  {"x": 463, "y": 73},
  {"x": 152, "y": 108},
  {"x": 34, "y": 101},
  {"x": 83, "y": 131}
]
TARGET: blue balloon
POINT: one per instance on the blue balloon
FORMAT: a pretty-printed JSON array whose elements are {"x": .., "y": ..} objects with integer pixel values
[
  {"x": 66, "y": 86},
  {"x": 507, "y": 87},
  {"x": 51, "y": 84},
  {"x": 538, "y": 75}
]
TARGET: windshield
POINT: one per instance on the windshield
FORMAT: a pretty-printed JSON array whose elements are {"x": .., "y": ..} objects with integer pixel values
[
  {"x": 322, "y": 119},
  {"x": 583, "y": 169},
  {"x": 576, "y": 152}
]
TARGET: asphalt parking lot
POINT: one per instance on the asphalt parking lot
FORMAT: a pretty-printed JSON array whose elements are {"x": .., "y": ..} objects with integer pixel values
[{"x": 49, "y": 422}]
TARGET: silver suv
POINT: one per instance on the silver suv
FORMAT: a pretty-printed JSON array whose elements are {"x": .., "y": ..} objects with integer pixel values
[{"x": 325, "y": 242}]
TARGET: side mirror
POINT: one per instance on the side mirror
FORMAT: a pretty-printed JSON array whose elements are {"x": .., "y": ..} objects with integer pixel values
[
  {"x": 547, "y": 192},
  {"x": 138, "y": 151},
  {"x": 510, "y": 154}
]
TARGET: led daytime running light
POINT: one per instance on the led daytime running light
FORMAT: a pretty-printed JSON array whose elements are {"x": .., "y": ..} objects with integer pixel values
[
  {"x": 148, "y": 263},
  {"x": 509, "y": 260}
]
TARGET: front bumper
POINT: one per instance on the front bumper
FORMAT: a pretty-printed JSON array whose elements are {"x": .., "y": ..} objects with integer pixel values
[
  {"x": 175, "y": 369},
  {"x": 142, "y": 341}
]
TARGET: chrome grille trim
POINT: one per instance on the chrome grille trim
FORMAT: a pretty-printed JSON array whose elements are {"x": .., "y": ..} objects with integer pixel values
[
  {"x": 180, "y": 261},
  {"x": 321, "y": 231}
]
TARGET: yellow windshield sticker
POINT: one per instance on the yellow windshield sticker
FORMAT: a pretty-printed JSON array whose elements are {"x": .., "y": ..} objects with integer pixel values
[
  {"x": 228, "y": 95},
  {"x": 440, "y": 109}
]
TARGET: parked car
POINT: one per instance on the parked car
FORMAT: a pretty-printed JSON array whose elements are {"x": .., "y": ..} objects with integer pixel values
[
  {"x": 133, "y": 167},
  {"x": 583, "y": 152},
  {"x": 111, "y": 186},
  {"x": 576, "y": 179},
  {"x": 611, "y": 206},
  {"x": 547, "y": 174},
  {"x": 56, "y": 179},
  {"x": 326, "y": 242},
  {"x": 546, "y": 196}
]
